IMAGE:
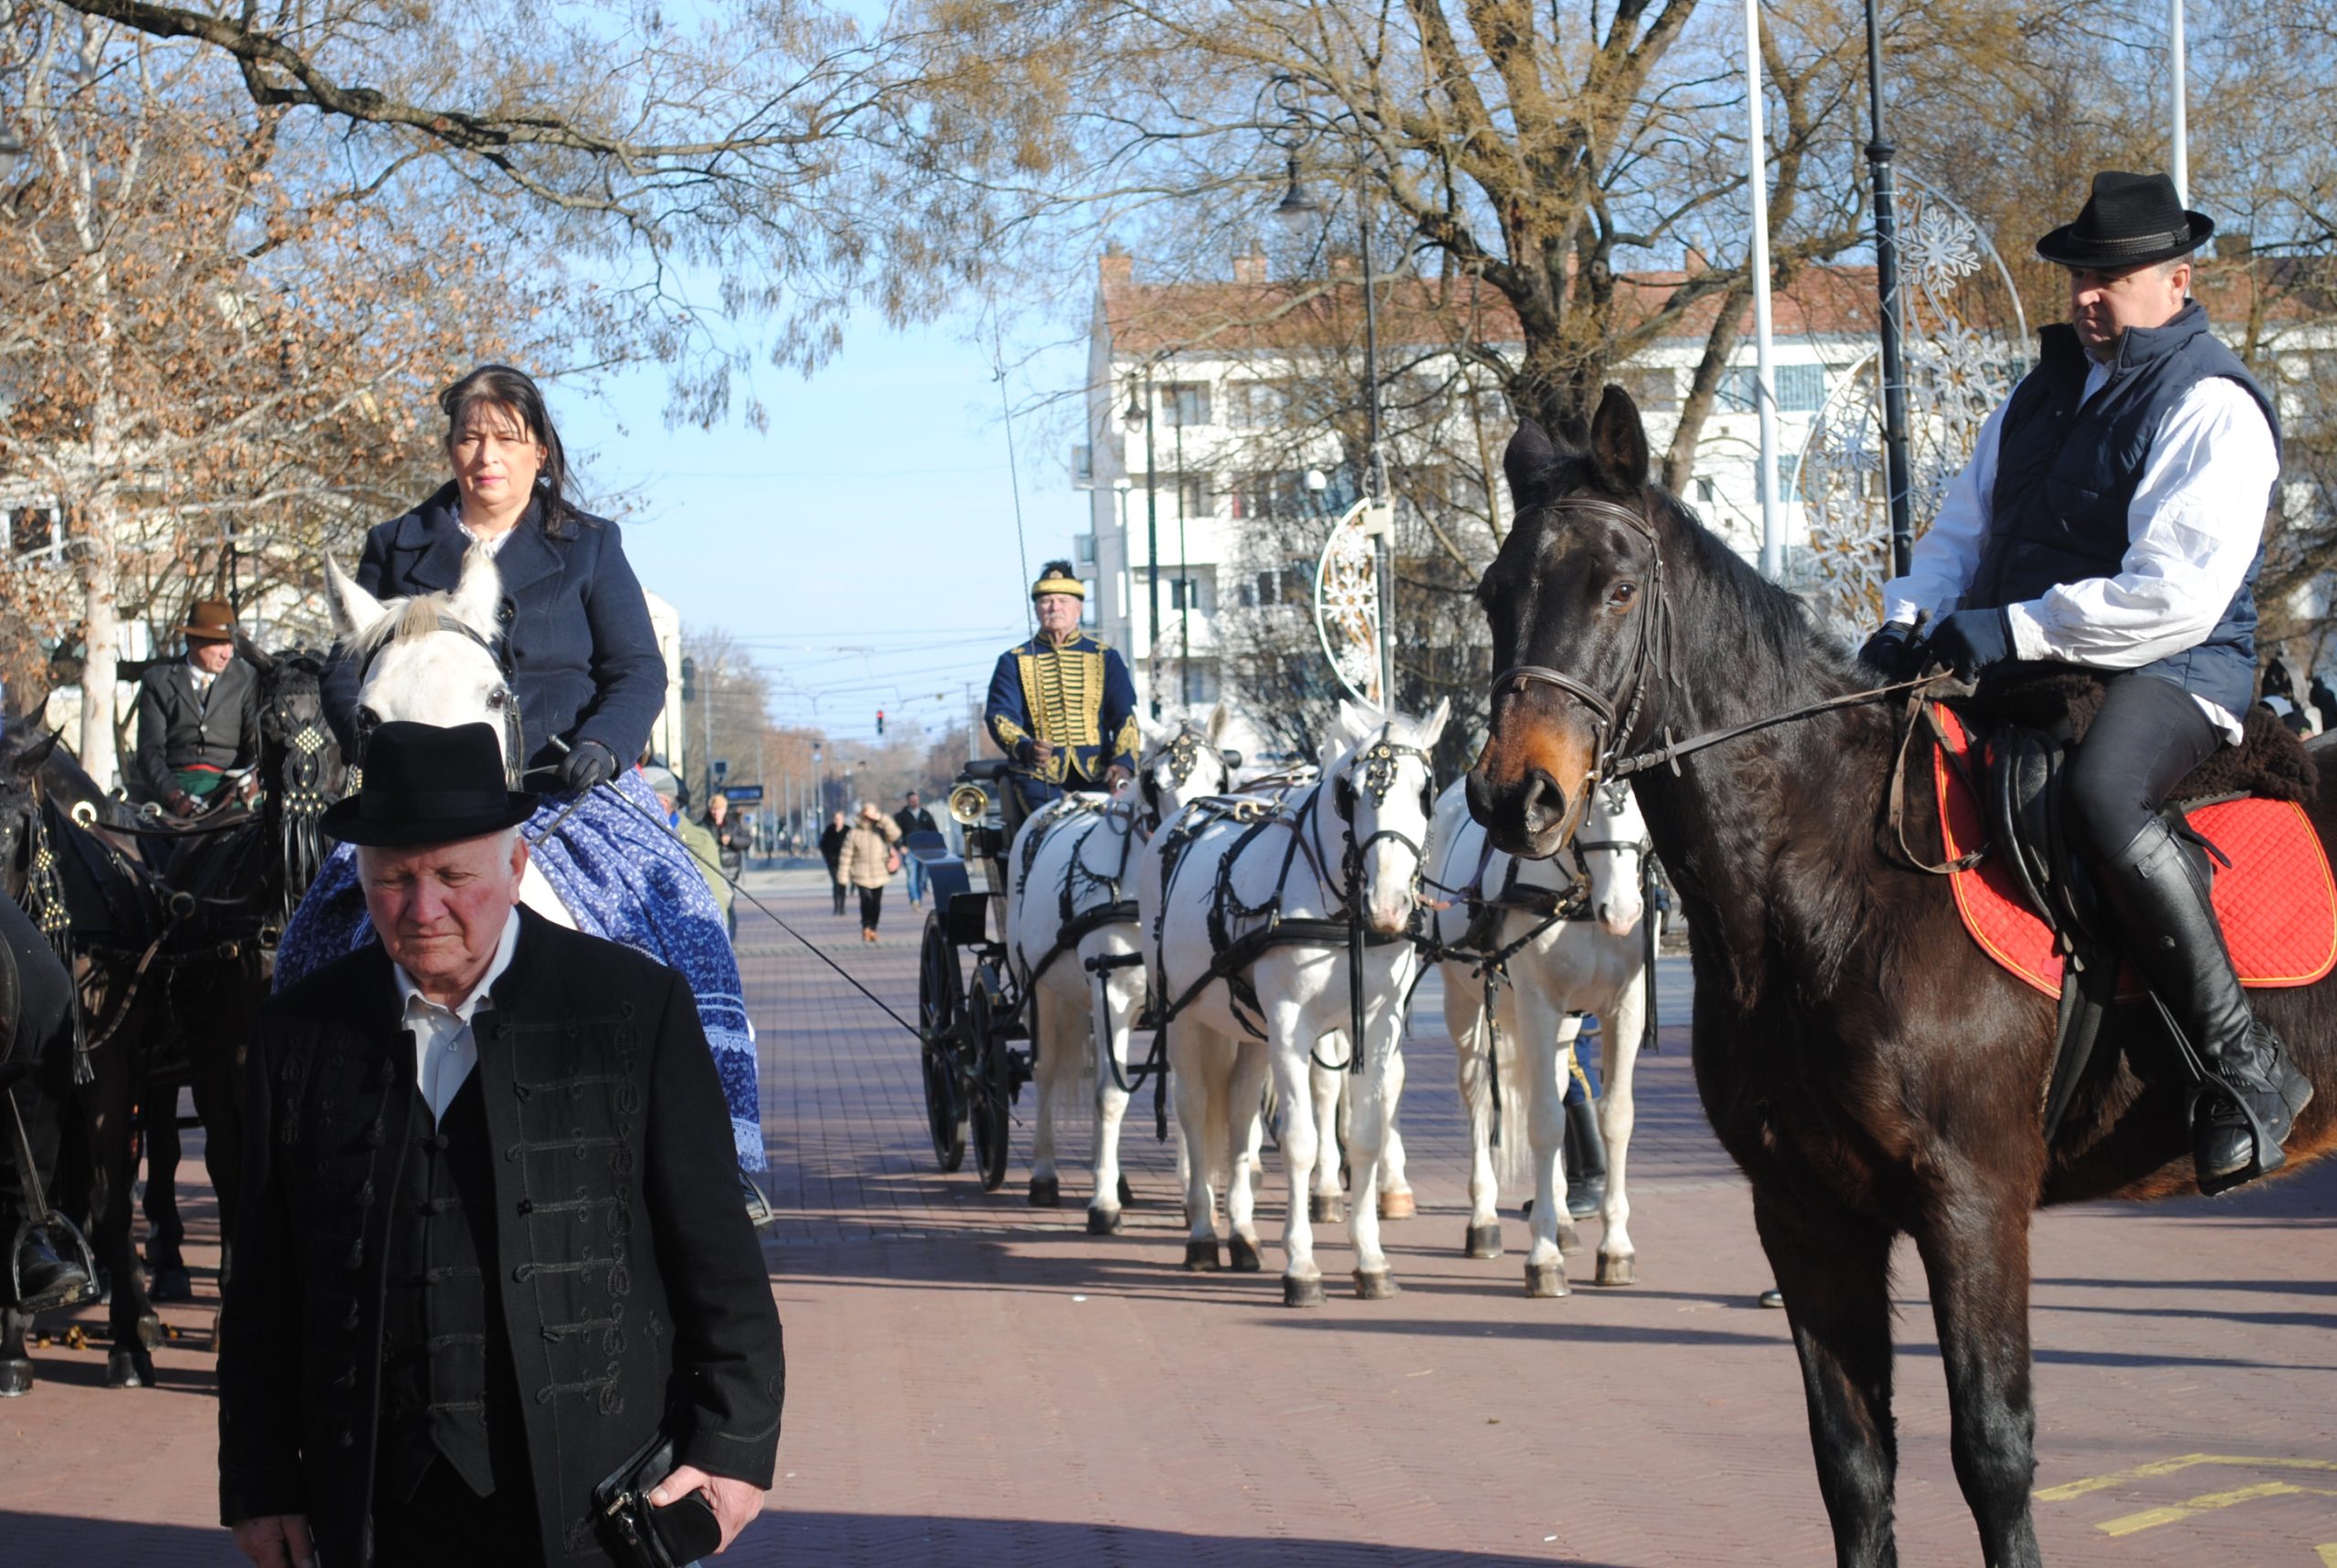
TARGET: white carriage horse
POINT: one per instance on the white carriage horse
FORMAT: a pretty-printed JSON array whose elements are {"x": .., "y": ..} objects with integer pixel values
[
  {"x": 1071, "y": 936},
  {"x": 1255, "y": 908},
  {"x": 432, "y": 660},
  {"x": 1562, "y": 940}
]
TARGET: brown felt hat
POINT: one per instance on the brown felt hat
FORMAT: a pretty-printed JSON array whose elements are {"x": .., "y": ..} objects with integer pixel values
[{"x": 210, "y": 621}]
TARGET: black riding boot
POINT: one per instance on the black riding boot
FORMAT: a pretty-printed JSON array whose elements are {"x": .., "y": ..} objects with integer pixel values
[
  {"x": 2158, "y": 887},
  {"x": 44, "y": 1278},
  {"x": 1585, "y": 1158}
]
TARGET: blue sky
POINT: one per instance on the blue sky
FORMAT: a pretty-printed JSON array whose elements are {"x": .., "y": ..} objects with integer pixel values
[{"x": 864, "y": 546}]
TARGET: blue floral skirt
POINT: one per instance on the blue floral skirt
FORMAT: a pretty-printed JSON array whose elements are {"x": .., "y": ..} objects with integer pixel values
[{"x": 623, "y": 875}]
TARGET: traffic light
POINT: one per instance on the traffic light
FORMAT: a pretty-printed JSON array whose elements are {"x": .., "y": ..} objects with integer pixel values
[
  {"x": 689, "y": 679},
  {"x": 880, "y": 721}
]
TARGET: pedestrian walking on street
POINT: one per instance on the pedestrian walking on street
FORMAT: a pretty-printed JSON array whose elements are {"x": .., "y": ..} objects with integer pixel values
[
  {"x": 832, "y": 840},
  {"x": 869, "y": 862},
  {"x": 913, "y": 817},
  {"x": 417, "y": 1366},
  {"x": 730, "y": 834}
]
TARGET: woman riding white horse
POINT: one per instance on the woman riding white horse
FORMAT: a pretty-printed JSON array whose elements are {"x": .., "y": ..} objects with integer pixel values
[
  {"x": 1225, "y": 887},
  {"x": 498, "y": 598},
  {"x": 1071, "y": 929},
  {"x": 1555, "y": 945}
]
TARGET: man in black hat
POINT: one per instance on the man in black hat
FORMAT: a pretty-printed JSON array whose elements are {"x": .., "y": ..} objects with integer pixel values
[
  {"x": 2112, "y": 517},
  {"x": 198, "y": 717},
  {"x": 489, "y": 1243}
]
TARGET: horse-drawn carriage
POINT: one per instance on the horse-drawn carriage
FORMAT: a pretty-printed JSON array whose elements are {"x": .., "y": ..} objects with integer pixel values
[{"x": 975, "y": 1049}]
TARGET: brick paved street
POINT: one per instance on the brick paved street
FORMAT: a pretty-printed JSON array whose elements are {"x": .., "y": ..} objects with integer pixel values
[{"x": 976, "y": 1381}]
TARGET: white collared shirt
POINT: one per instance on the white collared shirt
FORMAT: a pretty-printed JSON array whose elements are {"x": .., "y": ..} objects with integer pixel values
[
  {"x": 203, "y": 677},
  {"x": 444, "y": 1051},
  {"x": 2192, "y": 527},
  {"x": 491, "y": 543}
]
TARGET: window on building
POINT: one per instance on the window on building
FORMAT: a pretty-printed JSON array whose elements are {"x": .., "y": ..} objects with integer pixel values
[
  {"x": 1082, "y": 465},
  {"x": 1083, "y": 547},
  {"x": 31, "y": 530},
  {"x": 1182, "y": 403},
  {"x": 1184, "y": 593},
  {"x": 1256, "y": 404},
  {"x": 1266, "y": 493},
  {"x": 1655, "y": 388},
  {"x": 1801, "y": 389}
]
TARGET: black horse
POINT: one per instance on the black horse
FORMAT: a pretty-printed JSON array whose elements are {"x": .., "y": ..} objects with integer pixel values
[
  {"x": 109, "y": 914},
  {"x": 246, "y": 872},
  {"x": 1869, "y": 1067}
]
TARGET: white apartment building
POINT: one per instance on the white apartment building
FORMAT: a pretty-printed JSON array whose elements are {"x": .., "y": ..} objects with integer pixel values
[{"x": 1216, "y": 357}]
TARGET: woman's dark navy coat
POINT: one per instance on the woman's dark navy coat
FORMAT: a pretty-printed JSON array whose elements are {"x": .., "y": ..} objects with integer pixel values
[{"x": 584, "y": 659}]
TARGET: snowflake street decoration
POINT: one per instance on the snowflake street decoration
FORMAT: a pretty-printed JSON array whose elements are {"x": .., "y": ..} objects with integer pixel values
[
  {"x": 1346, "y": 607},
  {"x": 1966, "y": 343}
]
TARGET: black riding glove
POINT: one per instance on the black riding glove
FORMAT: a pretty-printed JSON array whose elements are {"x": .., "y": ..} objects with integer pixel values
[
  {"x": 1969, "y": 640},
  {"x": 1892, "y": 653},
  {"x": 591, "y": 764}
]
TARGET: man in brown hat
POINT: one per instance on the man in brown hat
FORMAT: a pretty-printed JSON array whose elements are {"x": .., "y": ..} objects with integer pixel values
[
  {"x": 2112, "y": 517},
  {"x": 198, "y": 717}
]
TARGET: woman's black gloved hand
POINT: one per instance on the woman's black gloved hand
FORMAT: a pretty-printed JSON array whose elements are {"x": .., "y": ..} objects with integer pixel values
[
  {"x": 1892, "y": 651},
  {"x": 590, "y": 764}
]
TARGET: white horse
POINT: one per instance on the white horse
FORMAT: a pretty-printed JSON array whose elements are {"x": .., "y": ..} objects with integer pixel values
[
  {"x": 1071, "y": 936},
  {"x": 1352, "y": 846},
  {"x": 429, "y": 660},
  {"x": 1558, "y": 970}
]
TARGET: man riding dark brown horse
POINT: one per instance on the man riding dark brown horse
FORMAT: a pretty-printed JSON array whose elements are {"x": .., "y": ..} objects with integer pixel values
[{"x": 2111, "y": 516}]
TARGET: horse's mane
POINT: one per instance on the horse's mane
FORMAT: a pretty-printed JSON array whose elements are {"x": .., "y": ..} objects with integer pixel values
[{"x": 406, "y": 620}]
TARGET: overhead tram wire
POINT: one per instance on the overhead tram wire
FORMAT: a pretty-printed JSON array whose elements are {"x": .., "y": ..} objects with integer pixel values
[{"x": 1013, "y": 475}]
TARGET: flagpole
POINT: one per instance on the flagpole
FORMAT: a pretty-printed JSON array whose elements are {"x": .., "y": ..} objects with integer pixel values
[
  {"x": 1756, "y": 151},
  {"x": 2182, "y": 128}
]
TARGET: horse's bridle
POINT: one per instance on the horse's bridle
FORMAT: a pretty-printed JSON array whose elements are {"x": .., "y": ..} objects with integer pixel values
[
  {"x": 1653, "y": 612},
  {"x": 1185, "y": 750},
  {"x": 504, "y": 698},
  {"x": 1379, "y": 761}
]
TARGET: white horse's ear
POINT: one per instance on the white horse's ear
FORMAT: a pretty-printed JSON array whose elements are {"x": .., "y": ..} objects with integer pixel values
[
  {"x": 479, "y": 593},
  {"x": 1434, "y": 727},
  {"x": 354, "y": 608},
  {"x": 1218, "y": 719},
  {"x": 1148, "y": 732}
]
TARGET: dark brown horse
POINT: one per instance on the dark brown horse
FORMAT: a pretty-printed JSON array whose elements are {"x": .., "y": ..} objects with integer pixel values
[{"x": 1870, "y": 1070}]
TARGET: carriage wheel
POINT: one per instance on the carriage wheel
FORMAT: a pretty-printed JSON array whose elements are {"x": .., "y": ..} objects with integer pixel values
[
  {"x": 993, "y": 1084},
  {"x": 941, "y": 1018}
]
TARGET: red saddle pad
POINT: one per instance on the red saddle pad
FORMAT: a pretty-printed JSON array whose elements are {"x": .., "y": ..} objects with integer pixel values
[{"x": 2277, "y": 901}]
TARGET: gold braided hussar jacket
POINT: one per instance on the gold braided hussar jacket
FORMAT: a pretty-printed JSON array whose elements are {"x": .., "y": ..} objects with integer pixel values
[{"x": 1078, "y": 697}]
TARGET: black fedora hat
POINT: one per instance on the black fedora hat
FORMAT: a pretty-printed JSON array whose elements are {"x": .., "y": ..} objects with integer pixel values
[
  {"x": 2131, "y": 220},
  {"x": 424, "y": 785}
]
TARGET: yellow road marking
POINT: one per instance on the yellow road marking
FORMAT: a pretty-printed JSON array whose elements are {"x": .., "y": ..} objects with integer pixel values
[
  {"x": 2328, "y": 1554},
  {"x": 2206, "y": 1502},
  {"x": 2068, "y": 1490}
]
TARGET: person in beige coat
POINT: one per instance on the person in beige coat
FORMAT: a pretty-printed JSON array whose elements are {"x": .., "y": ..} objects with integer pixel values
[{"x": 867, "y": 862}]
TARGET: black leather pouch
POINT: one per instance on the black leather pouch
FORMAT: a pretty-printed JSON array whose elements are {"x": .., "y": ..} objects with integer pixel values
[{"x": 640, "y": 1536}]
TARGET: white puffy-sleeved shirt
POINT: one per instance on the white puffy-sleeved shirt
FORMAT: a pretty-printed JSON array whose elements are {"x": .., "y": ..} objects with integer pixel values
[
  {"x": 2192, "y": 528},
  {"x": 445, "y": 1050}
]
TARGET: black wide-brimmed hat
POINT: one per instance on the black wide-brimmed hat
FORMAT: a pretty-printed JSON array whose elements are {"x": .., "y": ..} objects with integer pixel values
[
  {"x": 424, "y": 785},
  {"x": 2131, "y": 220}
]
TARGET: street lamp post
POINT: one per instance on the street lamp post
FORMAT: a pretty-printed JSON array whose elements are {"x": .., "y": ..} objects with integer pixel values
[
  {"x": 1898, "y": 471},
  {"x": 1184, "y": 581},
  {"x": 1140, "y": 404},
  {"x": 1298, "y": 209}
]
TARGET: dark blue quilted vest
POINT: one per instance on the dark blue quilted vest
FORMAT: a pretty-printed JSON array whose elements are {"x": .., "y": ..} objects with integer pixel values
[{"x": 2066, "y": 476}]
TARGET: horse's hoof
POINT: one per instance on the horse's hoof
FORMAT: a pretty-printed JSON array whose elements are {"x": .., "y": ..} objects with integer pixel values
[
  {"x": 1397, "y": 1204},
  {"x": 1102, "y": 1222},
  {"x": 1569, "y": 1239},
  {"x": 16, "y": 1378},
  {"x": 1619, "y": 1269},
  {"x": 1302, "y": 1292},
  {"x": 1245, "y": 1255},
  {"x": 1127, "y": 1194},
  {"x": 1046, "y": 1192},
  {"x": 1325, "y": 1208},
  {"x": 129, "y": 1366},
  {"x": 1544, "y": 1280},
  {"x": 171, "y": 1285},
  {"x": 1375, "y": 1285},
  {"x": 1200, "y": 1257},
  {"x": 1484, "y": 1240},
  {"x": 1772, "y": 1297}
]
